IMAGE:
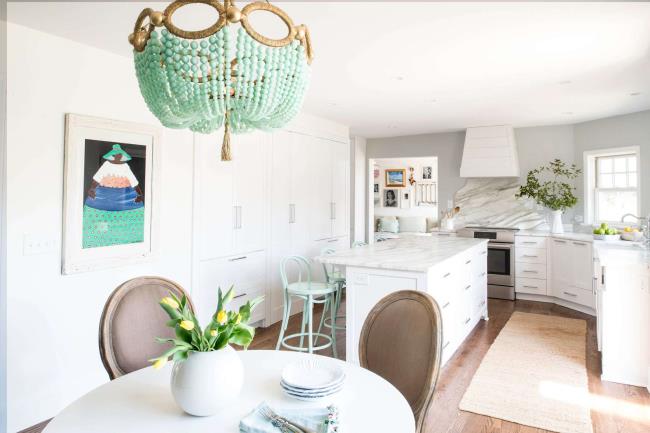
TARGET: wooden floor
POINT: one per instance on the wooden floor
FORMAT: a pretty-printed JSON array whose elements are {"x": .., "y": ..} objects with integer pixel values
[{"x": 613, "y": 401}]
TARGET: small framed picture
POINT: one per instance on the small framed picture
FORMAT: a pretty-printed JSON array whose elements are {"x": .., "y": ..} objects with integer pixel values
[
  {"x": 427, "y": 173},
  {"x": 396, "y": 177},
  {"x": 376, "y": 187},
  {"x": 391, "y": 198},
  {"x": 406, "y": 200}
]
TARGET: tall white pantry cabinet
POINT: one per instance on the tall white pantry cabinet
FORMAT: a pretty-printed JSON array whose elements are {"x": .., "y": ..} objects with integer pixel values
[{"x": 284, "y": 193}]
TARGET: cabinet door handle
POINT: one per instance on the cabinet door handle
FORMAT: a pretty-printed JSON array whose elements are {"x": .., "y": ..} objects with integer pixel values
[
  {"x": 559, "y": 241},
  {"x": 333, "y": 211},
  {"x": 236, "y": 259},
  {"x": 467, "y": 288},
  {"x": 570, "y": 294},
  {"x": 530, "y": 256},
  {"x": 446, "y": 275},
  {"x": 531, "y": 287},
  {"x": 467, "y": 320},
  {"x": 446, "y": 305},
  {"x": 468, "y": 262},
  {"x": 445, "y": 346},
  {"x": 580, "y": 244},
  {"x": 483, "y": 274},
  {"x": 483, "y": 253},
  {"x": 239, "y": 296},
  {"x": 332, "y": 240},
  {"x": 529, "y": 272},
  {"x": 529, "y": 242}
]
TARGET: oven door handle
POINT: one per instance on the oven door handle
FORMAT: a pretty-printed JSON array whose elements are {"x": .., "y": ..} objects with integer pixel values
[{"x": 500, "y": 246}]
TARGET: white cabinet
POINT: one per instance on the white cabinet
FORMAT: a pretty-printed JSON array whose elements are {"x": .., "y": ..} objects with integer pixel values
[
  {"x": 231, "y": 195},
  {"x": 307, "y": 213},
  {"x": 624, "y": 323},
  {"x": 530, "y": 265},
  {"x": 572, "y": 271}
]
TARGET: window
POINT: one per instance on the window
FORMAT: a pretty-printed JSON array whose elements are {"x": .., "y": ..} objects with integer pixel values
[{"x": 613, "y": 180}]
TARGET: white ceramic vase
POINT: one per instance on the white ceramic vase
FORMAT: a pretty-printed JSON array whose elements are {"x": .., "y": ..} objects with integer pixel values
[
  {"x": 206, "y": 382},
  {"x": 556, "y": 224}
]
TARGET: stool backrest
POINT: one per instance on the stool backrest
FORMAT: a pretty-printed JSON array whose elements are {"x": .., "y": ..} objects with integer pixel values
[
  {"x": 297, "y": 263},
  {"x": 357, "y": 244},
  {"x": 328, "y": 269},
  {"x": 401, "y": 341}
]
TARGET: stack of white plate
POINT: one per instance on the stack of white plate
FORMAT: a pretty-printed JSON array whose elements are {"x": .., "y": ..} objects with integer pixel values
[{"x": 312, "y": 379}]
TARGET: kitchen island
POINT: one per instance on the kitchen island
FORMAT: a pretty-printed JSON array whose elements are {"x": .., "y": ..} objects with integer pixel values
[{"x": 453, "y": 270}]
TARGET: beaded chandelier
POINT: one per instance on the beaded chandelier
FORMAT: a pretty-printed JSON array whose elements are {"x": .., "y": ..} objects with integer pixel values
[{"x": 202, "y": 80}]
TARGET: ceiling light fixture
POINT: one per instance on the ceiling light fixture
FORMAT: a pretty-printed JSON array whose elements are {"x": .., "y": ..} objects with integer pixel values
[
  {"x": 567, "y": 113},
  {"x": 635, "y": 94},
  {"x": 563, "y": 82},
  {"x": 202, "y": 80}
]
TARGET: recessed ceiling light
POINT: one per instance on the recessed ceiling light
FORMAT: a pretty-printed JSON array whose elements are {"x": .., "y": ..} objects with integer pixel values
[
  {"x": 432, "y": 100},
  {"x": 565, "y": 82},
  {"x": 567, "y": 113},
  {"x": 398, "y": 78},
  {"x": 635, "y": 94}
]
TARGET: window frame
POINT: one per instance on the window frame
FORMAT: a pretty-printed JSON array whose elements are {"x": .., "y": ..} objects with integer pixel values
[{"x": 591, "y": 188}]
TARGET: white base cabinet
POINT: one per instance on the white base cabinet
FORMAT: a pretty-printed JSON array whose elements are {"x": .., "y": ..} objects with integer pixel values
[{"x": 459, "y": 286}]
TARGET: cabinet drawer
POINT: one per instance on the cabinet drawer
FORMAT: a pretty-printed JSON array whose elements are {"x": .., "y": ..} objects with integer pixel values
[
  {"x": 530, "y": 255},
  {"x": 574, "y": 294},
  {"x": 530, "y": 270},
  {"x": 530, "y": 242},
  {"x": 530, "y": 285},
  {"x": 245, "y": 296}
]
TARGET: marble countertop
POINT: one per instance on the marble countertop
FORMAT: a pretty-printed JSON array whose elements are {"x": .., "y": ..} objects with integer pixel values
[
  {"x": 571, "y": 236},
  {"x": 624, "y": 253},
  {"x": 408, "y": 253}
]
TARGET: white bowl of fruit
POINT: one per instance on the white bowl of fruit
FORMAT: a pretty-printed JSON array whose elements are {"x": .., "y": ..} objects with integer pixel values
[{"x": 606, "y": 233}]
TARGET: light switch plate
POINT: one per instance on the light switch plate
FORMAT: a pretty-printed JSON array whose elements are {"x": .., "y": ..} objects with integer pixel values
[{"x": 34, "y": 244}]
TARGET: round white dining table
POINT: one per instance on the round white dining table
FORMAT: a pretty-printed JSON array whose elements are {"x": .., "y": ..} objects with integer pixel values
[{"x": 141, "y": 402}]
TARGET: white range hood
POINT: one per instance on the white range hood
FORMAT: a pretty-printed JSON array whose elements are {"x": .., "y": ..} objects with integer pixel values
[{"x": 490, "y": 151}]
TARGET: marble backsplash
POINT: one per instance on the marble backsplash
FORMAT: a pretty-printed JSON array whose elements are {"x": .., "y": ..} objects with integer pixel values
[{"x": 491, "y": 202}]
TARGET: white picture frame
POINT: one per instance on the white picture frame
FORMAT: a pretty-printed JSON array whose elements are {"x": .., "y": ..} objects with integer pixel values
[{"x": 80, "y": 133}]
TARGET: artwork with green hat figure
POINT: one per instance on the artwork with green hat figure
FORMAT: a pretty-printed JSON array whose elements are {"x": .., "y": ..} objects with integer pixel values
[{"x": 113, "y": 210}]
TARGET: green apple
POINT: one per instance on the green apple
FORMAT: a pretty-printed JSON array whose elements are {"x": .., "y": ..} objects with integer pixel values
[
  {"x": 601, "y": 231},
  {"x": 604, "y": 226}
]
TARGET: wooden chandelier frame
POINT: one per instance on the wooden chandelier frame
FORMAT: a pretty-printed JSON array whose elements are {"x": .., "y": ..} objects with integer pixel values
[{"x": 149, "y": 19}]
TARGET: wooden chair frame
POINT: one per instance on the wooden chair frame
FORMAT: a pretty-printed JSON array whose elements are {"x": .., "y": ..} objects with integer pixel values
[
  {"x": 421, "y": 406},
  {"x": 106, "y": 349}
]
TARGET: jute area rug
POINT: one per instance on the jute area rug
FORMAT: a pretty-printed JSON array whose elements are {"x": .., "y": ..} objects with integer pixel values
[{"x": 529, "y": 373}]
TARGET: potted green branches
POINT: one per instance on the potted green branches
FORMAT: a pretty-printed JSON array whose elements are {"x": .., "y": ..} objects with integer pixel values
[
  {"x": 207, "y": 372},
  {"x": 548, "y": 185}
]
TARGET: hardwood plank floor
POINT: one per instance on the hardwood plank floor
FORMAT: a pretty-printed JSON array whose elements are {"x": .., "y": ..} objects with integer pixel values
[
  {"x": 618, "y": 408},
  {"x": 615, "y": 408}
]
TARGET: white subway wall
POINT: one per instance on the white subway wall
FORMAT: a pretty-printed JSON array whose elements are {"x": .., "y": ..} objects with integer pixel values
[{"x": 53, "y": 355}]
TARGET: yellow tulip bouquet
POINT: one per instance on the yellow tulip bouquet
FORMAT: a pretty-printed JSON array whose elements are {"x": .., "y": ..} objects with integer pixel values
[{"x": 225, "y": 327}]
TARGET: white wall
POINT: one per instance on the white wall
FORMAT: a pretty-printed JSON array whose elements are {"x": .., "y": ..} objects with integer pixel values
[
  {"x": 3, "y": 226},
  {"x": 53, "y": 356}
]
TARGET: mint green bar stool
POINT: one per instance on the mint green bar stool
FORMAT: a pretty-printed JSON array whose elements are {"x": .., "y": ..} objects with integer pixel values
[
  {"x": 335, "y": 278},
  {"x": 311, "y": 293}
]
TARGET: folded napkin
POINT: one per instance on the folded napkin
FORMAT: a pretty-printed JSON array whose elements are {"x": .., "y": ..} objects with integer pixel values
[{"x": 322, "y": 420}]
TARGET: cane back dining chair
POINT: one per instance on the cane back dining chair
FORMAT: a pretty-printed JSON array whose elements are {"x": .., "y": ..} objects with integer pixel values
[
  {"x": 131, "y": 321},
  {"x": 401, "y": 341},
  {"x": 311, "y": 293}
]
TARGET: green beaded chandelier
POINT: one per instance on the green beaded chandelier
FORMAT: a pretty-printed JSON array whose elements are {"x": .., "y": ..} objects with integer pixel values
[{"x": 202, "y": 80}]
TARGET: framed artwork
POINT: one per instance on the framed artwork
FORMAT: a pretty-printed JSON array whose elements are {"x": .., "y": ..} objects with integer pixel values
[
  {"x": 109, "y": 206},
  {"x": 395, "y": 177},
  {"x": 376, "y": 187},
  {"x": 391, "y": 198},
  {"x": 427, "y": 173},
  {"x": 406, "y": 200}
]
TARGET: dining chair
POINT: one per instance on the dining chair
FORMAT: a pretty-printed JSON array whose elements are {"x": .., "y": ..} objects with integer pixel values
[
  {"x": 401, "y": 341},
  {"x": 131, "y": 320},
  {"x": 311, "y": 293}
]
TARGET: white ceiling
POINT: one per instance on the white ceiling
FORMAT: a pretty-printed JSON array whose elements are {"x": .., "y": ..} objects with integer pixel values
[{"x": 397, "y": 68}]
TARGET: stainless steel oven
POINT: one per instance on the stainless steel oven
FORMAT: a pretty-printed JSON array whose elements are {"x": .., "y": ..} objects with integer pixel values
[{"x": 500, "y": 258}]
